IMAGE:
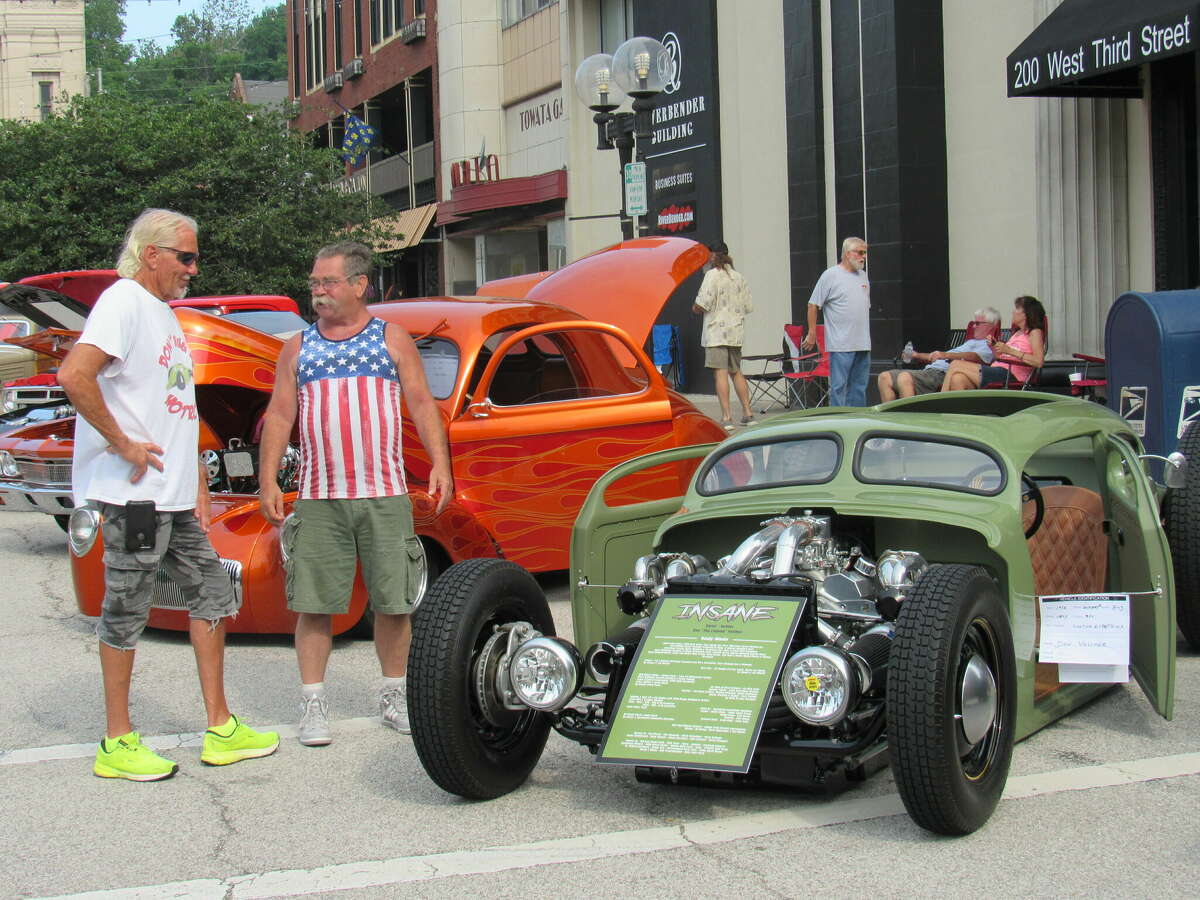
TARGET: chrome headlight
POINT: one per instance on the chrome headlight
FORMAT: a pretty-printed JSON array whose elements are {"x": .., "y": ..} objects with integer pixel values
[
  {"x": 544, "y": 672},
  {"x": 8, "y": 465},
  {"x": 820, "y": 685},
  {"x": 82, "y": 529},
  {"x": 10, "y": 401}
]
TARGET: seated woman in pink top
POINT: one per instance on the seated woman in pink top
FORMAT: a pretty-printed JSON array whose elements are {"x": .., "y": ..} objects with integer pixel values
[{"x": 1016, "y": 359}]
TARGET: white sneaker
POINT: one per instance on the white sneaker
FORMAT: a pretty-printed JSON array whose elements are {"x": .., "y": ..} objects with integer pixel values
[
  {"x": 393, "y": 709},
  {"x": 314, "y": 722}
]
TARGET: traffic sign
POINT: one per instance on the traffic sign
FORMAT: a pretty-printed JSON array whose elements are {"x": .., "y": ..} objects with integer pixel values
[{"x": 635, "y": 189}]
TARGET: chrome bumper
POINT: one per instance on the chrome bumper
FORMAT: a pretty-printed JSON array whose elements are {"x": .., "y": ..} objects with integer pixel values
[{"x": 54, "y": 500}]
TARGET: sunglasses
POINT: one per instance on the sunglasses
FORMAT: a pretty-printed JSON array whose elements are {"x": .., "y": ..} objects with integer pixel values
[{"x": 185, "y": 257}]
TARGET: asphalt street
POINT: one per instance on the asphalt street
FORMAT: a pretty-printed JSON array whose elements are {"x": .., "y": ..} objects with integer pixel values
[{"x": 1102, "y": 804}]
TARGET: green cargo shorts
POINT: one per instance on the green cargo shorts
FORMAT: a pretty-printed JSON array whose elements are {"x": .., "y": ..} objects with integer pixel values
[{"x": 325, "y": 540}]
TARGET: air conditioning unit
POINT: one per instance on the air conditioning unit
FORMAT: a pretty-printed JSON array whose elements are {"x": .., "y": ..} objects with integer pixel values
[
  {"x": 353, "y": 69},
  {"x": 332, "y": 82},
  {"x": 413, "y": 31}
]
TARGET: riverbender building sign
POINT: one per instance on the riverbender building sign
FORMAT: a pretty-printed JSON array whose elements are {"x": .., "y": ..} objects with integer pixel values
[{"x": 1094, "y": 47}]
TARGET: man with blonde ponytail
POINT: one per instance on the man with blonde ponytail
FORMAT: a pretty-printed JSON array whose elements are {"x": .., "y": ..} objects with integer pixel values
[{"x": 136, "y": 439}]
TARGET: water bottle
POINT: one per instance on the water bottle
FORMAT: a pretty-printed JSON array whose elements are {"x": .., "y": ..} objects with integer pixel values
[{"x": 906, "y": 354}]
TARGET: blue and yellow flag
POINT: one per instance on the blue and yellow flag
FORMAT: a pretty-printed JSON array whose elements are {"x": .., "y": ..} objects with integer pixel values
[{"x": 358, "y": 138}]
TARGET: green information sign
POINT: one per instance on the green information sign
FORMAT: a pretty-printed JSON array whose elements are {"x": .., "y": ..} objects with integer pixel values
[{"x": 697, "y": 693}]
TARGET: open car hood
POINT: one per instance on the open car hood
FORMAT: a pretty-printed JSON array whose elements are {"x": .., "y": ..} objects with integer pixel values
[
  {"x": 626, "y": 285},
  {"x": 52, "y": 342}
]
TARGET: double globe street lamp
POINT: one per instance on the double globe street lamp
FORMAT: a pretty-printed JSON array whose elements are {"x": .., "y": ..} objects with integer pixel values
[{"x": 640, "y": 69}]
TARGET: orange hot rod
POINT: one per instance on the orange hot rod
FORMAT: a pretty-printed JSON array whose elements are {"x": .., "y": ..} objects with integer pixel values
[{"x": 539, "y": 401}]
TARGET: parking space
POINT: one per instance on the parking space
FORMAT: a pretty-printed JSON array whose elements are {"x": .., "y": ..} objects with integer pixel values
[{"x": 1100, "y": 804}]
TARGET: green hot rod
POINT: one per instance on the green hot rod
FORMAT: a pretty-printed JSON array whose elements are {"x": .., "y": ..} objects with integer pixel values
[{"x": 921, "y": 583}]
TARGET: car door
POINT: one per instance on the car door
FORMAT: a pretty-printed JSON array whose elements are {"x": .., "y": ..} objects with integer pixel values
[
  {"x": 552, "y": 411},
  {"x": 610, "y": 534},
  {"x": 1142, "y": 563}
]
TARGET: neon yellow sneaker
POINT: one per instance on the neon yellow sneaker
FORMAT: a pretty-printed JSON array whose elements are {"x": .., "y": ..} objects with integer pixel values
[
  {"x": 235, "y": 741},
  {"x": 127, "y": 757}
]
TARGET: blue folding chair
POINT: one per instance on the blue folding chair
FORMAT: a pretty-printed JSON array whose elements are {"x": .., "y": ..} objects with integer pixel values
[{"x": 665, "y": 354}]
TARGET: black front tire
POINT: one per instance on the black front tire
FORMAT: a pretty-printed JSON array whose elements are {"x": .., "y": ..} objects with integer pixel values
[
  {"x": 1183, "y": 534},
  {"x": 469, "y": 747},
  {"x": 954, "y": 615},
  {"x": 63, "y": 522}
]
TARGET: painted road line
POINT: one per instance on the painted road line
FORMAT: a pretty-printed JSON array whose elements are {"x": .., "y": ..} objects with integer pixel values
[
  {"x": 164, "y": 742},
  {"x": 436, "y": 866}
]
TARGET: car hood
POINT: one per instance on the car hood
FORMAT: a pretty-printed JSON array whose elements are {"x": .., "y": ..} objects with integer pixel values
[
  {"x": 52, "y": 342},
  {"x": 626, "y": 285}
]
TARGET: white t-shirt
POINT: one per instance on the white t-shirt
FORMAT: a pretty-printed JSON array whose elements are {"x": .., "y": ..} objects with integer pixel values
[
  {"x": 149, "y": 391},
  {"x": 845, "y": 298}
]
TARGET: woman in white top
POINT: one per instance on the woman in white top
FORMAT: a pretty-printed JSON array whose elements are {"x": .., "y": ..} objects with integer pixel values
[{"x": 724, "y": 301}]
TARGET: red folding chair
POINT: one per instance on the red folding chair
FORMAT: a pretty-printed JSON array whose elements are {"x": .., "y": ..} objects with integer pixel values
[{"x": 807, "y": 374}]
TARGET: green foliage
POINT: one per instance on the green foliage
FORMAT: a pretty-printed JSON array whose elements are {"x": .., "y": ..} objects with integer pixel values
[
  {"x": 103, "y": 30},
  {"x": 209, "y": 47},
  {"x": 262, "y": 194}
]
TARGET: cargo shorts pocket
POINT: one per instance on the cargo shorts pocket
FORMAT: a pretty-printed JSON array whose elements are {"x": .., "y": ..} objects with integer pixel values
[
  {"x": 416, "y": 585},
  {"x": 288, "y": 538}
]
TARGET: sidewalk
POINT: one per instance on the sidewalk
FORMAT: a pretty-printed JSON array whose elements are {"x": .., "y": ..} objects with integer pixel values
[{"x": 708, "y": 404}]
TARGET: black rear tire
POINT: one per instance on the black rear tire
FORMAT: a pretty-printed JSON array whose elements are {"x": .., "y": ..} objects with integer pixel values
[
  {"x": 1183, "y": 534},
  {"x": 63, "y": 522},
  {"x": 467, "y": 747},
  {"x": 954, "y": 615}
]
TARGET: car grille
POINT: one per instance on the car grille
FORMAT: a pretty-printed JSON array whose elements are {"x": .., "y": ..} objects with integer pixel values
[
  {"x": 168, "y": 594},
  {"x": 49, "y": 474}
]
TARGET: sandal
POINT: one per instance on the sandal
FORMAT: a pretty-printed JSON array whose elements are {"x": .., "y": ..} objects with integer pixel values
[
  {"x": 746, "y": 420},
  {"x": 727, "y": 424}
]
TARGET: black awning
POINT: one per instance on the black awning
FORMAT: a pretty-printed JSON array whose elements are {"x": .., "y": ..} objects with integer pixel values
[{"x": 1093, "y": 48}]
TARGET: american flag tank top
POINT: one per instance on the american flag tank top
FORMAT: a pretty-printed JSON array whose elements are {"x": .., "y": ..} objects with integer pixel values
[{"x": 349, "y": 414}]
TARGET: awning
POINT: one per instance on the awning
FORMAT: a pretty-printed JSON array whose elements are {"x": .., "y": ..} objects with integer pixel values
[
  {"x": 407, "y": 228},
  {"x": 1093, "y": 48}
]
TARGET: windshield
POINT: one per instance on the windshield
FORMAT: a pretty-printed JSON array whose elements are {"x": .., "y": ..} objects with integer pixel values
[
  {"x": 440, "y": 359},
  {"x": 903, "y": 460},
  {"x": 811, "y": 460}
]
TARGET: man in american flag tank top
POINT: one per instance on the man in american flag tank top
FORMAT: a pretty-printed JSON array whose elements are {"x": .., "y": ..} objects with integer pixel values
[{"x": 342, "y": 381}]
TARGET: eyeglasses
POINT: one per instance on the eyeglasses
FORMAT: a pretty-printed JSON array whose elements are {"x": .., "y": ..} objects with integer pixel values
[
  {"x": 185, "y": 257},
  {"x": 326, "y": 283},
  {"x": 859, "y": 252}
]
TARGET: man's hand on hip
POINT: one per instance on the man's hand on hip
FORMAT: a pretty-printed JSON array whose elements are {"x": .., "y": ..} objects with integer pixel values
[{"x": 140, "y": 455}]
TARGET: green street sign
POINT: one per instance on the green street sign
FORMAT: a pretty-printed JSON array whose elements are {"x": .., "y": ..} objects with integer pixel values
[
  {"x": 698, "y": 690},
  {"x": 635, "y": 188}
]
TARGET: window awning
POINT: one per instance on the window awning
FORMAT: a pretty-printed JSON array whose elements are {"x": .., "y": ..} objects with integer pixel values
[
  {"x": 406, "y": 228},
  {"x": 1093, "y": 48}
]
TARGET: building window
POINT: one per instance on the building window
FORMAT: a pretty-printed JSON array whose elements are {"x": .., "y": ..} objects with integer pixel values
[
  {"x": 418, "y": 8},
  {"x": 358, "y": 23},
  {"x": 337, "y": 34},
  {"x": 513, "y": 11},
  {"x": 616, "y": 24},
  {"x": 314, "y": 41},
  {"x": 297, "y": 30},
  {"x": 387, "y": 18},
  {"x": 46, "y": 99}
]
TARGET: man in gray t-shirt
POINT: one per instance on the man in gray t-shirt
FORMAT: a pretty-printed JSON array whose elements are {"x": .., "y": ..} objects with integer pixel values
[{"x": 843, "y": 294}]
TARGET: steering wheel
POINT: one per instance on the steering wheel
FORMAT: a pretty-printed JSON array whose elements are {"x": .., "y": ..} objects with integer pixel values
[{"x": 1031, "y": 491}]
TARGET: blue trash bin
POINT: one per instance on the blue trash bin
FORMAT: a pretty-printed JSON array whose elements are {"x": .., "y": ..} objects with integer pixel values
[{"x": 1152, "y": 348}]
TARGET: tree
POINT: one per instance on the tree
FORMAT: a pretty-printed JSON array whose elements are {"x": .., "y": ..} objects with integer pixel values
[
  {"x": 265, "y": 198},
  {"x": 103, "y": 31},
  {"x": 265, "y": 43}
]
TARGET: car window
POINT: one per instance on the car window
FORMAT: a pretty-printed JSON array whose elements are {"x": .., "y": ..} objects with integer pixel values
[
  {"x": 13, "y": 328},
  {"x": 811, "y": 460},
  {"x": 905, "y": 460},
  {"x": 276, "y": 322},
  {"x": 440, "y": 359}
]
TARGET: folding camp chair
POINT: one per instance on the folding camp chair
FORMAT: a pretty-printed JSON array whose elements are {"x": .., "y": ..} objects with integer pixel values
[
  {"x": 666, "y": 355},
  {"x": 807, "y": 374}
]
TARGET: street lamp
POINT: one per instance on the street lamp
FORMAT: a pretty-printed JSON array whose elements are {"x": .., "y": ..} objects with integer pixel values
[{"x": 640, "y": 69}]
